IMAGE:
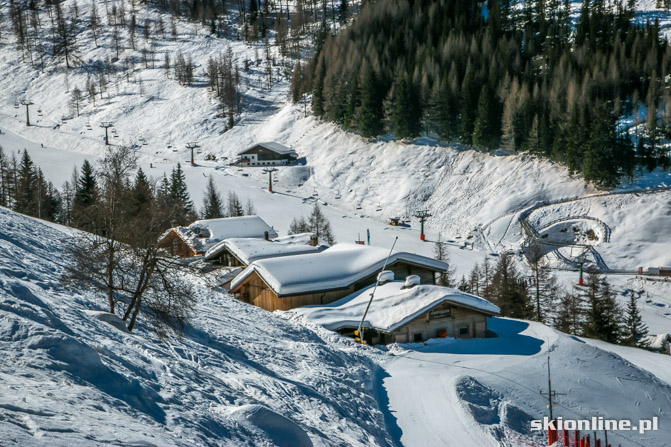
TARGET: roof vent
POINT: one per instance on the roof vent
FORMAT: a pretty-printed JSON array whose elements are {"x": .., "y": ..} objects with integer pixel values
[
  {"x": 385, "y": 276},
  {"x": 411, "y": 281}
]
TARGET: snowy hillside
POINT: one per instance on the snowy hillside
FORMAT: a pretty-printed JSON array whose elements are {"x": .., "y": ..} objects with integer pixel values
[
  {"x": 239, "y": 376},
  {"x": 242, "y": 376}
]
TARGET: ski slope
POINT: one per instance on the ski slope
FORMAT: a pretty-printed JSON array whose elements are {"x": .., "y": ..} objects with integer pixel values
[
  {"x": 241, "y": 376},
  {"x": 490, "y": 387}
]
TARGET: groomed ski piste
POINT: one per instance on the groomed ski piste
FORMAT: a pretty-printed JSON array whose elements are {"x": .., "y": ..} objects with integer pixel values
[{"x": 241, "y": 376}]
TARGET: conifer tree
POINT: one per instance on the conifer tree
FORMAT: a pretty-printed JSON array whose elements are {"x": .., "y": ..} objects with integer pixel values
[
  {"x": 212, "y": 203},
  {"x": 182, "y": 207},
  {"x": 440, "y": 253},
  {"x": 234, "y": 205},
  {"x": 407, "y": 112},
  {"x": 633, "y": 328},
  {"x": 26, "y": 186},
  {"x": 370, "y": 111},
  {"x": 86, "y": 196},
  {"x": 485, "y": 131},
  {"x": 320, "y": 226}
]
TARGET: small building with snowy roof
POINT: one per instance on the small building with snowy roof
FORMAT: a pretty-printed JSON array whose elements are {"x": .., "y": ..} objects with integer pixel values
[
  {"x": 200, "y": 236},
  {"x": 237, "y": 252},
  {"x": 321, "y": 278},
  {"x": 267, "y": 154},
  {"x": 405, "y": 312}
]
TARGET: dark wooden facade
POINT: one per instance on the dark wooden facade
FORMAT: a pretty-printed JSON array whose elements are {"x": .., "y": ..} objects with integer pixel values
[
  {"x": 174, "y": 243},
  {"x": 261, "y": 156}
]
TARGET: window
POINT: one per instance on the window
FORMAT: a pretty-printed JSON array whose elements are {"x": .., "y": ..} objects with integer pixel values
[
  {"x": 417, "y": 337},
  {"x": 463, "y": 330}
]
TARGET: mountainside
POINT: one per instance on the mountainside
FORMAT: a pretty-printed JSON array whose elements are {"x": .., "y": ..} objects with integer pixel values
[
  {"x": 238, "y": 376},
  {"x": 242, "y": 376}
]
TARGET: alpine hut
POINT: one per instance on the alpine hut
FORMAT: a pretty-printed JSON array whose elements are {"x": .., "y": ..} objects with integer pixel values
[
  {"x": 405, "y": 312},
  {"x": 267, "y": 154},
  {"x": 201, "y": 235},
  {"x": 321, "y": 278}
]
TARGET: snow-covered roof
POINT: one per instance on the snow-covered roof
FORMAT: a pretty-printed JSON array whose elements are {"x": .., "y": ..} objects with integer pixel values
[
  {"x": 203, "y": 234},
  {"x": 334, "y": 268},
  {"x": 271, "y": 146},
  {"x": 392, "y": 306},
  {"x": 248, "y": 250}
]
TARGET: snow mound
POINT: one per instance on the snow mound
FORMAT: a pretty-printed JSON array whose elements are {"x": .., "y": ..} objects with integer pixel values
[{"x": 282, "y": 432}]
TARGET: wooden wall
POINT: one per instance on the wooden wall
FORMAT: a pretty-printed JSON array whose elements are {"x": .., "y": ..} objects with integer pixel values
[
  {"x": 473, "y": 321},
  {"x": 255, "y": 291},
  {"x": 176, "y": 246}
]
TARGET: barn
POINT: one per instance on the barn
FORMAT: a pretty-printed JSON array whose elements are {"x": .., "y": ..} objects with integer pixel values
[
  {"x": 201, "y": 235},
  {"x": 240, "y": 252},
  {"x": 286, "y": 283},
  {"x": 405, "y": 312},
  {"x": 267, "y": 154}
]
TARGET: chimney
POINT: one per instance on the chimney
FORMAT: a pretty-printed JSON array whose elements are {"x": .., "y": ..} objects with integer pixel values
[
  {"x": 385, "y": 276},
  {"x": 266, "y": 236},
  {"x": 314, "y": 240},
  {"x": 411, "y": 281}
]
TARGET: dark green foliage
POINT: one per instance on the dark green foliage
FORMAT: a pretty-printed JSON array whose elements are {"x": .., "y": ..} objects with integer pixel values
[
  {"x": 178, "y": 194},
  {"x": 369, "y": 117},
  {"x": 603, "y": 313},
  {"x": 86, "y": 196},
  {"x": 509, "y": 289},
  {"x": 517, "y": 79},
  {"x": 487, "y": 123},
  {"x": 633, "y": 328},
  {"x": 407, "y": 112}
]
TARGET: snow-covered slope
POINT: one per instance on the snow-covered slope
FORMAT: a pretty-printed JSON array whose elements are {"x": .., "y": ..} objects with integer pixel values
[
  {"x": 239, "y": 376},
  {"x": 242, "y": 376}
]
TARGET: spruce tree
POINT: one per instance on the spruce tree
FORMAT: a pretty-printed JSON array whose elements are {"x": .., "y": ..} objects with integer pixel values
[
  {"x": 86, "y": 197},
  {"x": 407, "y": 111},
  {"x": 26, "y": 186},
  {"x": 633, "y": 328},
  {"x": 485, "y": 130},
  {"x": 179, "y": 197},
  {"x": 141, "y": 195},
  {"x": 212, "y": 203},
  {"x": 370, "y": 111}
]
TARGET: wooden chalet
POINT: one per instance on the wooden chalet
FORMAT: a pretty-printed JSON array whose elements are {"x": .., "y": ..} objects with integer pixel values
[
  {"x": 267, "y": 154},
  {"x": 286, "y": 283},
  {"x": 200, "y": 236},
  {"x": 405, "y": 312}
]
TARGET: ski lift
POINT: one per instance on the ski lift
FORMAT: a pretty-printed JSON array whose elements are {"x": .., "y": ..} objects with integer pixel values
[
  {"x": 314, "y": 193},
  {"x": 358, "y": 206},
  {"x": 39, "y": 112},
  {"x": 379, "y": 206},
  {"x": 337, "y": 195},
  {"x": 16, "y": 105}
]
